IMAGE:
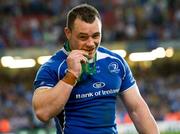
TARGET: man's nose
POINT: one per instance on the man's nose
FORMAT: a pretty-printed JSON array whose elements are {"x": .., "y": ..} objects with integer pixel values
[{"x": 90, "y": 42}]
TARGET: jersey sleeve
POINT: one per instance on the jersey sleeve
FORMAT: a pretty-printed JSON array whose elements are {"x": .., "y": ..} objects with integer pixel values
[
  {"x": 128, "y": 79},
  {"x": 45, "y": 77}
]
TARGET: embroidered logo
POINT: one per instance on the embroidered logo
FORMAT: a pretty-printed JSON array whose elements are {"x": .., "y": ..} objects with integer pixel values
[
  {"x": 98, "y": 84},
  {"x": 113, "y": 67}
]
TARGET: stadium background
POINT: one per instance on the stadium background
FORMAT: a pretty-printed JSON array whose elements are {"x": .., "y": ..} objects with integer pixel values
[{"x": 33, "y": 28}]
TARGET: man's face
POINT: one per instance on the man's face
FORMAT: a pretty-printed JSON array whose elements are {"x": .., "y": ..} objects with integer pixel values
[{"x": 85, "y": 36}]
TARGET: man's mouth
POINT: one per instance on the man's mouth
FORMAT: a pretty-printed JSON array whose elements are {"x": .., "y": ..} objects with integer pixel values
[{"x": 90, "y": 52}]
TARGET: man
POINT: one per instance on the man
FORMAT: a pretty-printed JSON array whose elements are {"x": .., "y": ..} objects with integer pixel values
[{"x": 84, "y": 79}]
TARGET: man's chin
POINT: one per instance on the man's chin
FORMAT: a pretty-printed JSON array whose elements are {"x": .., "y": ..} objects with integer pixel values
[{"x": 91, "y": 55}]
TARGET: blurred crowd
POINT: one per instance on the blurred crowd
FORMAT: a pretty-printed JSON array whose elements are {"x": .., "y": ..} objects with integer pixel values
[{"x": 39, "y": 23}]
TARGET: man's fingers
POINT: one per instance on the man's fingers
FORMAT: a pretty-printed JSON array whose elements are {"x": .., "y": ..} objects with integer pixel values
[
  {"x": 82, "y": 52},
  {"x": 80, "y": 58},
  {"x": 80, "y": 55},
  {"x": 83, "y": 59}
]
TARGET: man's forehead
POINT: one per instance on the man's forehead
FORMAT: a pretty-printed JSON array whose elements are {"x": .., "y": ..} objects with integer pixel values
[{"x": 86, "y": 28}]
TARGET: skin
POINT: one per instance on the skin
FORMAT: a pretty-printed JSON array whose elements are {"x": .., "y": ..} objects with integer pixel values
[
  {"x": 139, "y": 111},
  {"x": 84, "y": 39}
]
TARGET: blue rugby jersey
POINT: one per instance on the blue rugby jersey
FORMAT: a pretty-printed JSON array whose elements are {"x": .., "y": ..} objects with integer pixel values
[{"x": 91, "y": 106}]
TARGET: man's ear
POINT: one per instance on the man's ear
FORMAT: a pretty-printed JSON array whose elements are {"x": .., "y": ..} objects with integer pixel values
[{"x": 67, "y": 31}]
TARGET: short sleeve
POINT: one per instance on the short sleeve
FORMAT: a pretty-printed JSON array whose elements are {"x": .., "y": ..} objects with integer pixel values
[
  {"x": 128, "y": 79},
  {"x": 45, "y": 77}
]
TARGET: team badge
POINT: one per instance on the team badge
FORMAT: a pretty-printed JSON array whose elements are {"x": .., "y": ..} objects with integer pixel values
[{"x": 113, "y": 67}]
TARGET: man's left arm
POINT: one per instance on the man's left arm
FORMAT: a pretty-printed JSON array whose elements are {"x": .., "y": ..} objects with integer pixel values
[{"x": 139, "y": 111}]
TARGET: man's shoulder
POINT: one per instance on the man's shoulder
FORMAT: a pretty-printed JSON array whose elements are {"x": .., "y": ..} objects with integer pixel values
[
  {"x": 59, "y": 55},
  {"x": 103, "y": 49},
  {"x": 105, "y": 52},
  {"x": 57, "y": 58}
]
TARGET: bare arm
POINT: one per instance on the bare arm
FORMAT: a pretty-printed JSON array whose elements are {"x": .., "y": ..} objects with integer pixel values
[
  {"x": 47, "y": 103},
  {"x": 139, "y": 111}
]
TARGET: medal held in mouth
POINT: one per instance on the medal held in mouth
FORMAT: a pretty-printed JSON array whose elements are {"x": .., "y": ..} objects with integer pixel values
[{"x": 88, "y": 68}]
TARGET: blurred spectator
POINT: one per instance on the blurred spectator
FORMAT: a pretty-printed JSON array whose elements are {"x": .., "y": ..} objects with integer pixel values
[{"x": 122, "y": 20}]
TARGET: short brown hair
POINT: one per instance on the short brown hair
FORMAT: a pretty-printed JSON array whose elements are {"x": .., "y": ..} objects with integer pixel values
[{"x": 84, "y": 12}]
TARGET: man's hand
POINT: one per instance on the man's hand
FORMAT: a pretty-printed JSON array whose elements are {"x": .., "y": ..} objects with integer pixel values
[{"x": 74, "y": 60}]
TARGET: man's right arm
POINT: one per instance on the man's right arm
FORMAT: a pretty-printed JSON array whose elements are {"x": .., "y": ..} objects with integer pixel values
[{"x": 48, "y": 102}]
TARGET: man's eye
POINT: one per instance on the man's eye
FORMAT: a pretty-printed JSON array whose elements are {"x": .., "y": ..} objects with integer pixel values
[
  {"x": 83, "y": 37},
  {"x": 95, "y": 36}
]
